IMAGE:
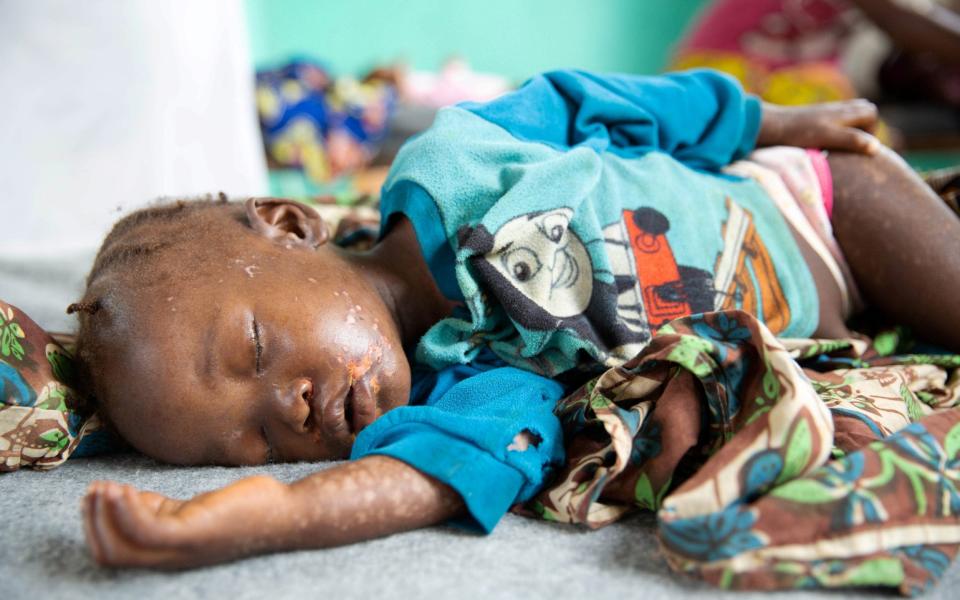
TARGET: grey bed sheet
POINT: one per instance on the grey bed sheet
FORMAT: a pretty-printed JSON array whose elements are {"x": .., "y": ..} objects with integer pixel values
[{"x": 42, "y": 554}]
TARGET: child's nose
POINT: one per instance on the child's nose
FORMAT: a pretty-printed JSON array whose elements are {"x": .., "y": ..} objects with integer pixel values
[{"x": 296, "y": 404}]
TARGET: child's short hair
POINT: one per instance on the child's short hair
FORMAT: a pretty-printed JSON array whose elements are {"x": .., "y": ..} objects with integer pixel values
[{"x": 129, "y": 256}]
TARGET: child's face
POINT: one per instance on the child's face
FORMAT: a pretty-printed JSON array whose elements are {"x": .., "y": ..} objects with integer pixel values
[{"x": 269, "y": 353}]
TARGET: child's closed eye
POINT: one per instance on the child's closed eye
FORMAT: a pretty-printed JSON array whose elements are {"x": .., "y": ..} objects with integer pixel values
[{"x": 258, "y": 346}]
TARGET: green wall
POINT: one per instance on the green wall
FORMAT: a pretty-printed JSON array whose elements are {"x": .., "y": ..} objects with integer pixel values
[{"x": 516, "y": 38}]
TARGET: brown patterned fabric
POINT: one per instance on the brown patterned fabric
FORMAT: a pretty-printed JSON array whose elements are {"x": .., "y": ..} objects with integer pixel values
[
  {"x": 42, "y": 421},
  {"x": 765, "y": 475}
]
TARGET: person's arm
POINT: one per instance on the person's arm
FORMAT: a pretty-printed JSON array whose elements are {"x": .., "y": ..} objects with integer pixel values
[
  {"x": 921, "y": 26},
  {"x": 364, "y": 499},
  {"x": 483, "y": 441},
  {"x": 702, "y": 118}
]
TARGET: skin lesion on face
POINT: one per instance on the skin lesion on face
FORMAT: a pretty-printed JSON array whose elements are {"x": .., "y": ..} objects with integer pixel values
[{"x": 194, "y": 386}]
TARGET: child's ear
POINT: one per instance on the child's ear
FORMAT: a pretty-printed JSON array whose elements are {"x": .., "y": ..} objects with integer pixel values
[{"x": 287, "y": 222}]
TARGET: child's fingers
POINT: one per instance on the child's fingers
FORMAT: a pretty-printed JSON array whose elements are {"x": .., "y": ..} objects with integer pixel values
[
  {"x": 126, "y": 545},
  {"x": 848, "y": 139},
  {"x": 138, "y": 504},
  {"x": 104, "y": 545},
  {"x": 135, "y": 520},
  {"x": 118, "y": 552},
  {"x": 108, "y": 554},
  {"x": 128, "y": 528},
  {"x": 863, "y": 142},
  {"x": 153, "y": 501},
  {"x": 861, "y": 114},
  {"x": 90, "y": 516}
]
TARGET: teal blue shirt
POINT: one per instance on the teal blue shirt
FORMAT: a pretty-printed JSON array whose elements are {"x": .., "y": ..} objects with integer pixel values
[{"x": 577, "y": 215}]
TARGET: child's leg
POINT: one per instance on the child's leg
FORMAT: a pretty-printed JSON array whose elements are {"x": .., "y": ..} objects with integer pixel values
[{"x": 901, "y": 241}]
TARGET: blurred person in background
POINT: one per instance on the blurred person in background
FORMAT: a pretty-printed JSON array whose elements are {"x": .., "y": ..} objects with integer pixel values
[{"x": 802, "y": 51}]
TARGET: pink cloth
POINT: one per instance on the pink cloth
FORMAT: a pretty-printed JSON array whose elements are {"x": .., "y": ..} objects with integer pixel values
[{"x": 821, "y": 168}]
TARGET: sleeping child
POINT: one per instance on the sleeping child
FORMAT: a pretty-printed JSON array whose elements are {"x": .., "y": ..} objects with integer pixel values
[{"x": 526, "y": 245}]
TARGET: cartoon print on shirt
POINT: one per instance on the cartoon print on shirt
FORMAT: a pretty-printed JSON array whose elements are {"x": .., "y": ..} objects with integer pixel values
[
  {"x": 745, "y": 275},
  {"x": 540, "y": 271},
  {"x": 542, "y": 275},
  {"x": 662, "y": 288},
  {"x": 545, "y": 261}
]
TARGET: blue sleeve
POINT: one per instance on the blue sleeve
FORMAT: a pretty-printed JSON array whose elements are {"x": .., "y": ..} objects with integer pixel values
[
  {"x": 702, "y": 118},
  {"x": 463, "y": 435}
]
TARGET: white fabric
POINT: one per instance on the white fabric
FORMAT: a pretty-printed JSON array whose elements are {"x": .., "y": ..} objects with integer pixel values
[{"x": 105, "y": 106}]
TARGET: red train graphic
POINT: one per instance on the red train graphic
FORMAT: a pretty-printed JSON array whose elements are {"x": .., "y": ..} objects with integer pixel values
[{"x": 743, "y": 276}]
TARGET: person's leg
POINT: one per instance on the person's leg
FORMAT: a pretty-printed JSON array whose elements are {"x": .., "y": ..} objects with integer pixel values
[{"x": 901, "y": 241}]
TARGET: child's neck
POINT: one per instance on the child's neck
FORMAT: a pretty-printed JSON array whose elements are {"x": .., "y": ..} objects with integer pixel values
[{"x": 397, "y": 269}]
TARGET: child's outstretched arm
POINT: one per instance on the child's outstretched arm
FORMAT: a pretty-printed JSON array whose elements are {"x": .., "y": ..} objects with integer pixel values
[
  {"x": 359, "y": 500},
  {"x": 452, "y": 456},
  {"x": 921, "y": 26}
]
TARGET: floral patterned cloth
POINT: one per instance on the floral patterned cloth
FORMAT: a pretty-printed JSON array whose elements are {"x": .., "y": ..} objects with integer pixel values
[
  {"x": 42, "y": 421},
  {"x": 772, "y": 463}
]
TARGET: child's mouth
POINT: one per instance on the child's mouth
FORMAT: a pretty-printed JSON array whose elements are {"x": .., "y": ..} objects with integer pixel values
[
  {"x": 359, "y": 407},
  {"x": 348, "y": 412},
  {"x": 352, "y": 411}
]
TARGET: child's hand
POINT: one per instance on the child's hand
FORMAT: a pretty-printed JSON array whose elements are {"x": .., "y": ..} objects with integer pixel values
[
  {"x": 126, "y": 527},
  {"x": 832, "y": 126}
]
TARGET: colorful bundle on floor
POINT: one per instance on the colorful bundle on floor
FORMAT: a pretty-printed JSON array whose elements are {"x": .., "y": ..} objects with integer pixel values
[{"x": 323, "y": 125}]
